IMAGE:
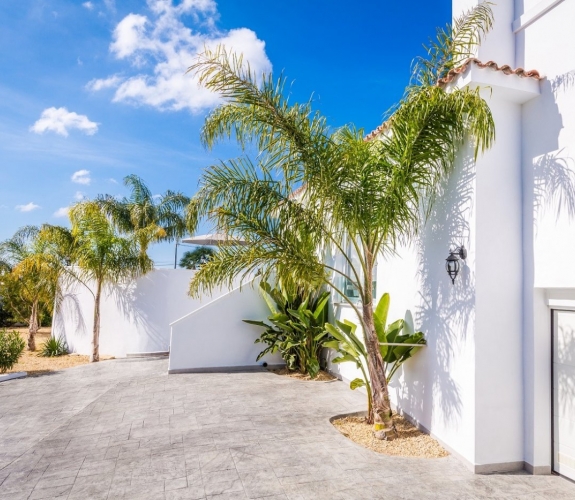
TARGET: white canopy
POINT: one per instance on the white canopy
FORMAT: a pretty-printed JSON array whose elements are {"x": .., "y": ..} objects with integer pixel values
[{"x": 214, "y": 239}]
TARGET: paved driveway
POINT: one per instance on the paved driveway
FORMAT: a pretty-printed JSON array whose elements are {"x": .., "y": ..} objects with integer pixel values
[{"x": 125, "y": 429}]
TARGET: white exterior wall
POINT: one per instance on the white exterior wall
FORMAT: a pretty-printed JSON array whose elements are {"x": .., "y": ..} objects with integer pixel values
[
  {"x": 156, "y": 314},
  {"x": 134, "y": 317},
  {"x": 482, "y": 385},
  {"x": 548, "y": 164},
  {"x": 214, "y": 336}
]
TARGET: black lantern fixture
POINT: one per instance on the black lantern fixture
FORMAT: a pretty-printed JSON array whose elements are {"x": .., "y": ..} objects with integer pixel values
[{"x": 452, "y": 264}]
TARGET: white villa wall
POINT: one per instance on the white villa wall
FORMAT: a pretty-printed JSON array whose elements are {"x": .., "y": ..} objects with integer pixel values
[
  {"x": 548, "y": 162},
  {"x": 155, "y": 314},
  {"x": 482, "y": 385},
  {"x": 135, "y": 317},
  {"x": 215, "y": 335}
]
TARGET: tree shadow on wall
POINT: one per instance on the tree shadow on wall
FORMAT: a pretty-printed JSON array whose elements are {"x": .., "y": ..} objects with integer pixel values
[
  {"x": 68, "y": 312},
  {"x": 137, "y": 306},
  {"x": 446, "y": 311},
  {"x": 554, "y": 172},
  {"x": 554, "y": 184},
  {"x": 564, "y": 382}
]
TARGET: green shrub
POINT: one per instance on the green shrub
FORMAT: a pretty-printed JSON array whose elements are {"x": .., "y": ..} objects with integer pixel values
[
  {"x": 54, "y": 347},
  {"x": 296, "y": 328},
  {"x": 11, "y": 347}
]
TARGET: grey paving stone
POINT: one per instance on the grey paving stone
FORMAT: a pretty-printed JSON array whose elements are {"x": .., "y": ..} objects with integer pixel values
[
  {"x": 261, "y": 483},
  {"x": 175, "y": 484},
  {"x": 51, "y": 492},
  {"x": 126, "y": 430},
  {"x": 212, "y": 461},
  {"x": 193, "y": 492}
]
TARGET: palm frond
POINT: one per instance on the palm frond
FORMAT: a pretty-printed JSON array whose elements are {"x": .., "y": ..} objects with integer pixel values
[{"x": 453, "y": 45}]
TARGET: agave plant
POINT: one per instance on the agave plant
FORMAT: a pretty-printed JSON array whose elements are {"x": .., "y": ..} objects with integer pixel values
[
  {"x": 296, "y": 327},
  {"x": 54, "y": 347},
  {"x": 398, "y": 342}
]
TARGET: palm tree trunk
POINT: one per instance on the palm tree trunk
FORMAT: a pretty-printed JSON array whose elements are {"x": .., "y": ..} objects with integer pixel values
[
  {"x": 33, "y": 327},
  {"x": 381, "y": 407},
  {"x": 95, "y": 354}
]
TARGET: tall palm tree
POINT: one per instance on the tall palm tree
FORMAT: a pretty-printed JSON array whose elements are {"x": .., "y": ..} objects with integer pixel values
[
  {"x": 30, "y": 277},
  {"x": 101, "y": 256},
  {"x": 366, "y": 194},
  {"x": 148, "y": 218}
]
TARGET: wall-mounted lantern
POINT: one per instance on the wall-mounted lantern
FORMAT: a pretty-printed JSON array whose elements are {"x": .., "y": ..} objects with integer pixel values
[{"x": 452, "y": 264}]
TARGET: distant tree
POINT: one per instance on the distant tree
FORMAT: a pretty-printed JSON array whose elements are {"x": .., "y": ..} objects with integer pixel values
[
  {"x": 195, "y": 258},
  {"x": 147, "y": 217},
  {"x": 29, "y": 279},
  {"x": 5, "y": 316}
]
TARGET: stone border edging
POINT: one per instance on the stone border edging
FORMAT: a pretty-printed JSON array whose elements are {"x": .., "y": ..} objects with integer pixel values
[
  {"x": 362, "y": 413},
  {"x": 11, "y": 376},
  {"x": 335, "y": 379}
]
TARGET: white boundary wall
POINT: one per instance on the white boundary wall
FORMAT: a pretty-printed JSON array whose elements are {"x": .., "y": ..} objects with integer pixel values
[
  {"x": 215, "y": 335},
  {"x": 155, "y": 314},
  {"x": 135, "y": 317}
]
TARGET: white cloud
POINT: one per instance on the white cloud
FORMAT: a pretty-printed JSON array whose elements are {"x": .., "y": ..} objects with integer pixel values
[
  {"x": 160, "y": 48},
  {"x": 60, "y": 121},
  {"x": 110, "y": 5},
  {"x": 104, "y": 83},
  {"x": 88, "y": 5},
  {"x": 61, "y": 212},
  {"x": 112, "y": 180},
  {"x": 29, "y": 207},
  {"x": 81, "y": 177},
  {"x": 79, "y": 196}
]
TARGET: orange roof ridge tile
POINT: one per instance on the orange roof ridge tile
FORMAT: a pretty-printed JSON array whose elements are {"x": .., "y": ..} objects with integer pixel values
[
  {"x": 454, "y": 73},
  {"x": 505, "y": 69}
]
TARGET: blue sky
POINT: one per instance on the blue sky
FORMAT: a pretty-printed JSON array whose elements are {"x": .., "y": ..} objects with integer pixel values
[{"x": 92, "y": 91}]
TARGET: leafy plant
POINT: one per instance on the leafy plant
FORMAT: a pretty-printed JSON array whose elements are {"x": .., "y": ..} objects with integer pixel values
[
  {"x": 11, "y": 348},
  {"x": 296, "y": 327},
  {"x": 54, "y": 347},
  {"x": 398, "y": 342},
  {"x": 351, "y": 349},
  {"x": 193, "y": 259}
]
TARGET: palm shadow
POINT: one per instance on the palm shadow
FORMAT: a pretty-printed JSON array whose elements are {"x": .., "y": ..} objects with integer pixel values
[
  {"x": 69, "y": 320},
  {"x": 446, "y": 312}
]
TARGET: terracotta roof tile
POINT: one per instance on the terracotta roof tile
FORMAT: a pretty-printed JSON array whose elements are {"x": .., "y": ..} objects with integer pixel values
[
  {"x": 296, "y": 192},
  {"x": 453, "y": 74},
  {"x": 506, "y": 69}
]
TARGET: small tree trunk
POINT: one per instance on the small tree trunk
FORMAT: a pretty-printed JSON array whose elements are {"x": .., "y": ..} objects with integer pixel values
[
  {"x": 33, "y": 327},
  {"x": 381, "y": 407},
  {"x": 95, "y": 354}
]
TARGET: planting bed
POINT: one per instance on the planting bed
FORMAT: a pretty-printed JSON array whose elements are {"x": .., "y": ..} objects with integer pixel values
[{"x": 411, "y": 442}]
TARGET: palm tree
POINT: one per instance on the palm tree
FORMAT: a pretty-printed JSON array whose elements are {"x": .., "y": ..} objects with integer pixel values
[
  {"x": 365, "y": 194},
  {"x": 101, "y": 256},
  {"x": 148, "y": 218},
  {"x": 29, "y": 278},
  {"x": 194, "y": 259}
]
